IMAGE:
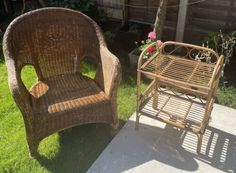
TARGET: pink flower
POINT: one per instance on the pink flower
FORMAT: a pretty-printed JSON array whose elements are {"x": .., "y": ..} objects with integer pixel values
[
  {"x": 151, "y": 49},
  {"x": 159, "y": 43},
  {"x": 152, "y": 35}
]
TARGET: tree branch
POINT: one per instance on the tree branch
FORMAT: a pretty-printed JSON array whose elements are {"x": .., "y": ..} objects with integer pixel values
[{"x": 160, "y": 18}]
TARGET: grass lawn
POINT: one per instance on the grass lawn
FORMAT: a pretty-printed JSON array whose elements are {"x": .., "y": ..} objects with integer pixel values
[{"x": 227, "y": 96}]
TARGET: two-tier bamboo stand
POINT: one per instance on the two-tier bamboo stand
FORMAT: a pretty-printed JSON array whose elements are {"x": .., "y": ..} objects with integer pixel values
[{"x": 182, "y": 91}]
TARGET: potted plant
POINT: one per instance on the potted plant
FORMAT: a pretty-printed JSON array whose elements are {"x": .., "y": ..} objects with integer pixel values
[{"x": 140, "y": 47}]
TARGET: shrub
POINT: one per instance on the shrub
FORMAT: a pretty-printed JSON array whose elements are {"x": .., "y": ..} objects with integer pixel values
[
  {"x": 88, "y": 7},
  {"x": 222, "y": 44},
  {"x": 109, "y": 37}
]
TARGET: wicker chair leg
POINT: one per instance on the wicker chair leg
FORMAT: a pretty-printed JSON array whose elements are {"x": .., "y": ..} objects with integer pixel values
[
  {"x": 199, "y": 143},
  {"x": 33, "y": 148},
  {"x": 115, "y": 125}
]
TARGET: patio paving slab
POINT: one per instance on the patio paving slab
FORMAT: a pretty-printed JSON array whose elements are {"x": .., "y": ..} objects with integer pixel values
[{"x": 157, "y": 147}]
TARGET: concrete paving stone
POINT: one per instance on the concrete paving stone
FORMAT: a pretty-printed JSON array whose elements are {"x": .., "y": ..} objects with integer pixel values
[{"x": 157, "y": 147}]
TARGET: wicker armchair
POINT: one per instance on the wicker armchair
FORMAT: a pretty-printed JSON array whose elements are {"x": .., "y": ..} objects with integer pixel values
[{"x": 55, "y": 41}]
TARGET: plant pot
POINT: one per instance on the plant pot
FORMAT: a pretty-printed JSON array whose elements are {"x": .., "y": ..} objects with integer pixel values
[{"x": 133, "y": 59}]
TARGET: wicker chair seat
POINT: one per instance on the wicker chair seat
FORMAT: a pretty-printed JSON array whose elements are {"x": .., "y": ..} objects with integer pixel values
[{"x": 64, "y": 93}]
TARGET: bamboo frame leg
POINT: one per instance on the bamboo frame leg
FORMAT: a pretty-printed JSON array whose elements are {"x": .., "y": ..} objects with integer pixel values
[
  {"x": 155, "y": 96},
  {"x": 199, "y": 143},
  {"x": 138, "y": 100},
  {"x": 137, "y": 121}
]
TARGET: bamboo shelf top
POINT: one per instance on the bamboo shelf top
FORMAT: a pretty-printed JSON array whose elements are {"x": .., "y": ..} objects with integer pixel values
[
  {"x": 183, "y": 66},
  {"x": 181, "y": 70}
]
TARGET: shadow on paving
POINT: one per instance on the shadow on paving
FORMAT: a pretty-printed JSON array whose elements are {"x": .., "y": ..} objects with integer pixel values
[
  {"x": 76, "y": 149},
  {"x": 161, "y": 147}
]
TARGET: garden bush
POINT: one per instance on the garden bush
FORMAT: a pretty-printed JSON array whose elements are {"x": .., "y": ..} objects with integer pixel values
[{"x": 88, "y": 7}]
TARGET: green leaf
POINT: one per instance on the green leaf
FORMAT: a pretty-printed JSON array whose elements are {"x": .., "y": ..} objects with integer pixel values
[{"x": 148, "y": 41}]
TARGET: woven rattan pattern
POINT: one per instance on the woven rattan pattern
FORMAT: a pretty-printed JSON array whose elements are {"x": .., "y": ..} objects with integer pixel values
[{"x": 55, "y": 41}]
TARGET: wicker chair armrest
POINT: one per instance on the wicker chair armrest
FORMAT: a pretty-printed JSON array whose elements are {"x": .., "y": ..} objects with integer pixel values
[
  {"x": 19, "y": 92},
  {"x": 109, "y": 73}
]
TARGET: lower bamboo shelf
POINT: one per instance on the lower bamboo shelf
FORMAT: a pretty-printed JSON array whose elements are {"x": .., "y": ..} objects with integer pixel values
[
  {"x": 177, "y": 109},
  {"x": 180, "y": 110}
]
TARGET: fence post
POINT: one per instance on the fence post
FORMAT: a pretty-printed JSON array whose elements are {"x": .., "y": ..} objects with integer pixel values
[
  {"x": 7, "y": 6},
  {"x": 183, "y": 6},
  {"x": 125, "y": 12}
]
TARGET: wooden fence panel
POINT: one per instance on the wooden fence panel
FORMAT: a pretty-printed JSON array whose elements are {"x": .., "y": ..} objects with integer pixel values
[
  {"x": 147, "y": 15},
  {"x": 204, "y": 17},
  {"x": 113, "y": 8},
  {"x": 209, "y": 16}
]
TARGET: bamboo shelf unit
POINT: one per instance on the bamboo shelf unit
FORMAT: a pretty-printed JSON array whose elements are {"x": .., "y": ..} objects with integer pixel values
[{"x": 182, "y": 91}]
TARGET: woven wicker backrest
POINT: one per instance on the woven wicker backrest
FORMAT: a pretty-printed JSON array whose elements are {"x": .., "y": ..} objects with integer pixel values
[{"x": 54, "y": 41}]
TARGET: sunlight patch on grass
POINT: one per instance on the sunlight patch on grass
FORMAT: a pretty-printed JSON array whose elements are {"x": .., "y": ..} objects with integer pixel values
[
  {"x": 227, "y": 96},
  {"x": 89, "y": 68},
  {"x": 28, "y": 76}
]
